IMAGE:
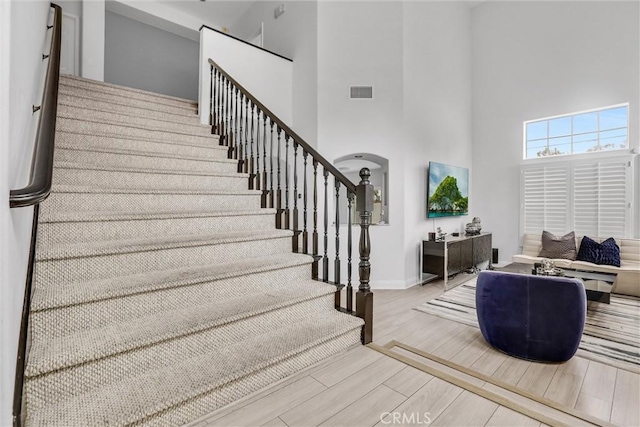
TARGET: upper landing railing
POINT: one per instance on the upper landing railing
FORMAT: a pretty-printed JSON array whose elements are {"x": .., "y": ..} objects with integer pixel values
[{"x": 262, "y": 144}]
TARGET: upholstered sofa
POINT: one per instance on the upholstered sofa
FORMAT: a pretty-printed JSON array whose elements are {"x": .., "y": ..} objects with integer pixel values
[{"x": 628, "y": 281}]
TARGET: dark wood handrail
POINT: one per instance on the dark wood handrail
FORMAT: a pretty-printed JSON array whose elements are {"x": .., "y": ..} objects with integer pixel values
[
  {"x": 33, "y": 194},
  {"x": 287, "y": 130},
  {"x": 41, "y": 174}
]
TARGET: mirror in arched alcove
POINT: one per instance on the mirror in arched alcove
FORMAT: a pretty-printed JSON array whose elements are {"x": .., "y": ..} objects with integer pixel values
[{"x": 350, "y": 166}]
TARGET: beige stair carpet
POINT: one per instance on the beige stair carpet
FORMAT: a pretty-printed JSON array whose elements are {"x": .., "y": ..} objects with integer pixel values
[{"x": 162, "y": 291}]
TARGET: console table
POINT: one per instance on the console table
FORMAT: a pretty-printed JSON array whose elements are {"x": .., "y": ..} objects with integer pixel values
[{"x": 441, "y": 259}]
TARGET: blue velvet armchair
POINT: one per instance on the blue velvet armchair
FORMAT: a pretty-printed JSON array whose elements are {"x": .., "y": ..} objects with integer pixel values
[{"x": 537, "y": 318}]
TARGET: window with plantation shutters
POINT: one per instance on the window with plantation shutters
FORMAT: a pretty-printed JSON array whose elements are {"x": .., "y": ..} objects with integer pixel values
[
  {"x": 545, "y": 198},
  {"x": 601, "y": 198},
  {"x": 592, "y": 197}
]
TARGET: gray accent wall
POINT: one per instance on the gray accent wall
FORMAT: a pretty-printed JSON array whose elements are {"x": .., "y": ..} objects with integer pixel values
[{"x": 144, "y": 57}]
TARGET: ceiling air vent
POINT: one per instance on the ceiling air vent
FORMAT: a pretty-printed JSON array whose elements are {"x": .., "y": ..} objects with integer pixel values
[{"x": 361, "y": 92}]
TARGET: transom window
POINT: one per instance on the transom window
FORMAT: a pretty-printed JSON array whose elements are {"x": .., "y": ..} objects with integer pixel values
[{"x": 585, "y": 132}]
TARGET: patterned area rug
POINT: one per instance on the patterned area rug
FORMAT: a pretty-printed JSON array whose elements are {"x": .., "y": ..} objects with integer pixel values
[{"x": 611, "y": 334}]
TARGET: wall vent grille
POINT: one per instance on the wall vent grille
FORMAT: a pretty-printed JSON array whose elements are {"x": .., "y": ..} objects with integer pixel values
[{"x": 361, "y": 92}]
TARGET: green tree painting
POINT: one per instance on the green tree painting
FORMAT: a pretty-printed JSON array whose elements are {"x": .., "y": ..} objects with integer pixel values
[{"x": 448, "y": 199}]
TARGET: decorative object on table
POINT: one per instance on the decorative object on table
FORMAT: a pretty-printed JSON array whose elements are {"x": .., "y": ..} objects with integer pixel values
[
  {"x": 441, "y": 235},
  {"x": 474, "y": 227},
  {"x": 448, "y": 190},
  {"x": 544, "y": 320},
  {"x": 432, "y": 236},
  {"x": 547, "y": 267},
  {"x": 563, "y": 247}
]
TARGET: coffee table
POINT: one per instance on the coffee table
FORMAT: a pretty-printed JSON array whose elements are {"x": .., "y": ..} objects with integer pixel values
[{"x": 598, "y": 285}]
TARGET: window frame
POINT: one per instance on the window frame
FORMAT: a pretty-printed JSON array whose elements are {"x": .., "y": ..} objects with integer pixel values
[{"x": 572, "y": 135}]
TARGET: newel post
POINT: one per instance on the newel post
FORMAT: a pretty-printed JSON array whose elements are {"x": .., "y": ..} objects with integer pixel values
[{"x": 364, "y": 296}]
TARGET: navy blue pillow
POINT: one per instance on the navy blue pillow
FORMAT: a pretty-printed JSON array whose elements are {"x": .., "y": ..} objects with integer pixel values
[{"x": 605, "y": 253}]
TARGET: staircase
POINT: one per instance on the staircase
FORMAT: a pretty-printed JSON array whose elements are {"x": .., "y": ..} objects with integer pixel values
[{"x": 161, "y": 289}]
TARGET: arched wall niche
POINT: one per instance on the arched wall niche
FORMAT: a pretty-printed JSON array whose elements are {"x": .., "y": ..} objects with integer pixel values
[{"x": 350, "y": 166}]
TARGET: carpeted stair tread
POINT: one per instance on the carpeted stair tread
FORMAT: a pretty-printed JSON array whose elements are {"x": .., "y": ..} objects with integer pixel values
[
  {"x": 87, "y": 198},
  {"x": 99, "y": 343},
  {"x": 100, "y": 167},
  {"x": 110, "y": 190},
  {"x": 125, "y": 91},
  {"x": 215, "y": 151},
  {"x": 121, "y": 120},
  {"x": 111, "y": 247},
  {"x": 119, "y": 130},
  {"x": 80, "y": 226},
  {"x": 142, "y": 396},
  {"x": 152, "y": 104},
  {"x": 214, "y": 161},
  {"x": 77, "y": 100},
  {"x": 92, "y": 167},
  {"x": 80, "y": 138},
  {"x": 66, "y": 110},
  {"x": 103, "y": 216},
  {"x": 45, "y": 298}
]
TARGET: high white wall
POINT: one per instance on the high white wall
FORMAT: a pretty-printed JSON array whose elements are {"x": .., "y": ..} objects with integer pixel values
[
  {"x": 437, "y": 113},
  {"x": 293, "y": 34},
  {"x": 158, "y": 61},
  {"x": 253, "y": 68},
  {"x": 534, "y": 60},
  {"x": 23, "y": 37},
  {"x": 360, "y": 43}
]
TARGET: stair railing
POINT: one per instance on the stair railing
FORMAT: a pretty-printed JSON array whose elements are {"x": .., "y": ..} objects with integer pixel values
[
  {"x": 261, "y": 143},
  {"x": 37, "y": 190}
]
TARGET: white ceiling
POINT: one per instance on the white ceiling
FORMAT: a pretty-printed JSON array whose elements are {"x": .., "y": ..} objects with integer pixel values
[{"x": 218, "y": 13}]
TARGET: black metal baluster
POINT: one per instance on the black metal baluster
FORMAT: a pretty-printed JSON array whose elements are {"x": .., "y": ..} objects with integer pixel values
[
  {"x": 296, "y": 232},
  {"x": 246, "y": 135},
  {"x": 211, "y": 95},
  {"x": 223, "y": 129},
  {"x": 349, "y": 250},
  {"x": 222, "y": 104},
  {"x": 314, "y": 235},
  {"x": 337, "y": 260},
  {"x": 227, "y": 125},
  {"x": 218, "y": 102},
  {"x": 258, "y": 182},
  {"x": 279, "y": 210},
  {"x": 232, "y": 140},
  {"x": 305, "y": 233},
  {"x": 216, "y": 95},
  {"x": 242, "y": 164},
  {"x": 287, "y": 221},
  {"x": 264, "y": 165},
  {"x": 251, "y": 181},
  {"x": 271, "y": 171},
  {"x": 234, "y": 127},
  {"x": 336, "y": 264},
  {"x": 325, "y": 259},
  {"x": 221, "y": 107}
]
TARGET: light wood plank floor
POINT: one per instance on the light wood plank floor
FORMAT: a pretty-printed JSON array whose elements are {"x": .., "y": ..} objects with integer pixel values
[{"x": 361, "y": 387}]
